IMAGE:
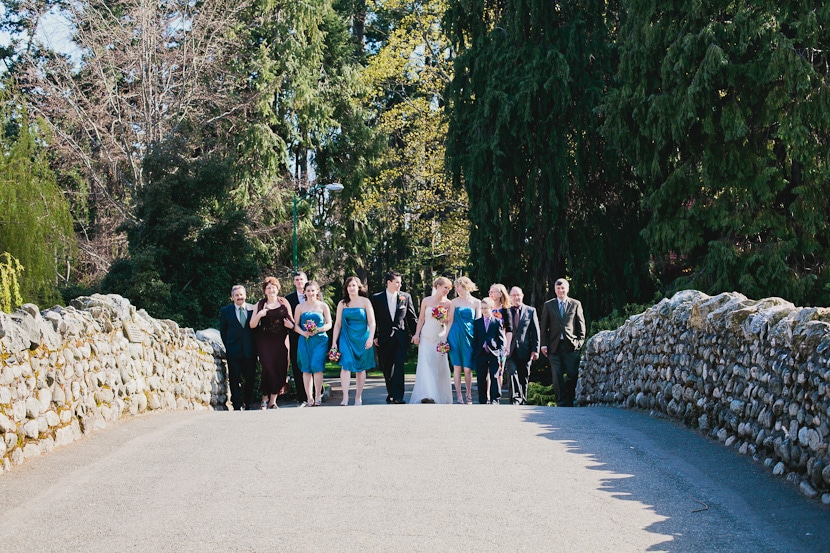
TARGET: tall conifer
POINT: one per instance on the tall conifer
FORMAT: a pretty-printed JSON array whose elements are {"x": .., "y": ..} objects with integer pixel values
[
  {"x": 723, "y": 109},
  {"x": 548, "y": 197}
]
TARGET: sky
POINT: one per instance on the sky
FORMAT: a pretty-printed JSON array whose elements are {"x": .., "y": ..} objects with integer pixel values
[{"x": 54, "y": 31}]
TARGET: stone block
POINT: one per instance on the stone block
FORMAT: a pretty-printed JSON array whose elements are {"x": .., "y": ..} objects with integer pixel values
[
  {"x": 30, "y": 429},
  {"x": 6, "y": 425}
]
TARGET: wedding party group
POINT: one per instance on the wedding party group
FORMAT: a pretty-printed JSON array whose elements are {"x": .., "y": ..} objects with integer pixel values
[{"x": 497, "y": 338}]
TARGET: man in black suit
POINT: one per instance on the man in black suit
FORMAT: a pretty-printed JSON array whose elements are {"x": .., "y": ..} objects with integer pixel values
[
  {"x": 396, "y": 319},
  {"x": 488, "y": 353},
  {"x": 294, "y": 299},
  {"x": 240, "y": 349},
  {"x": 524, "y": 348},
  {"x": 563, "y": 333}
]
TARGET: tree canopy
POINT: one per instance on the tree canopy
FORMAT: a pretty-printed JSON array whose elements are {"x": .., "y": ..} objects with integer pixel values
[
  {"x": 723, "y": 110},
  {"x": 35, "y": 223},
  {"x": 549, "y": 197},
  {"x": 633, "y": 147}
]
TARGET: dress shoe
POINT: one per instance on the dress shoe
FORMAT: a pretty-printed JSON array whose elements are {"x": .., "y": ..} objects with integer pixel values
[
  {"x": 389, "y": 400},
  {"x": 398, "y": 401}
]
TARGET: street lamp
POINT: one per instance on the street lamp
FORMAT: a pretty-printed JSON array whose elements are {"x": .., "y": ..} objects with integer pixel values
[{"x": 333, "y": 187}]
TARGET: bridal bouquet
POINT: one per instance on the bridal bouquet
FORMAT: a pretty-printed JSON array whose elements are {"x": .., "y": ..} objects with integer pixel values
[
  {"x": 442, "y": 347},
  {"x": 440, "y": 313},
  {"x": 334, "y": 355},
  {"x": 310, "y": 326}
]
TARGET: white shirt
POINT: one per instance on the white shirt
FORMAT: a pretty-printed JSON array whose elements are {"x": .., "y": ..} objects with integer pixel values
[{"x": 392, "y": 301}]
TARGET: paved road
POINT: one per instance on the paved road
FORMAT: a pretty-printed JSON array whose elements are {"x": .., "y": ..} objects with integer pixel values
[{"x": 408, "y": 477}]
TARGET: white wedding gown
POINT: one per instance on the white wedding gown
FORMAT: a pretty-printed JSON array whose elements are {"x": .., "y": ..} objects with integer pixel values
[{"x": 432, "y": 376}]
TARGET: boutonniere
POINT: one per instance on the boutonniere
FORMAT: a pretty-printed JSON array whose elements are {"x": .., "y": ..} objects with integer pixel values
[{"x": 401, "y": 299}]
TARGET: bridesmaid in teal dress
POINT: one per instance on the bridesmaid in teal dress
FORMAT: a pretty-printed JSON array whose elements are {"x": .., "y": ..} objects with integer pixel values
[
  {"x": 464, "y": 309},
  {"x": 353, "y": 335},
  {"x": 314, "y": 318}
]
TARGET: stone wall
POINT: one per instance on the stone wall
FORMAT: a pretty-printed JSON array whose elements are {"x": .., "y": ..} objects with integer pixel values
[
  {"x": 753, "y": 374},
  {"x": 65, "y": 372}
]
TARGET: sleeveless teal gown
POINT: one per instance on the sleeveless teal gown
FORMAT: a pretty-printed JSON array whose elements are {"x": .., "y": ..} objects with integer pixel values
[
  {"x": 460, "y": 337},
  {"x": 354, "y": 333},
  {"x": 311, "y": 352}
]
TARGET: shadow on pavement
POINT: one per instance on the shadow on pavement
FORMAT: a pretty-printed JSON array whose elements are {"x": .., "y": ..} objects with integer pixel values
[{"x": 712, "y": 498}]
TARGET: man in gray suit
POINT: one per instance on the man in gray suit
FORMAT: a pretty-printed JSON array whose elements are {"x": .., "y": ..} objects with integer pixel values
[
  {"x": 524, "y": 348},
  {"x": 563, "y": 333}
]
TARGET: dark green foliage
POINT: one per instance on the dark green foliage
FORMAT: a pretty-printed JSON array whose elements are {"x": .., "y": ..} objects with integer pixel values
[
  {"x": 548, "y": 197},
  {"x": 191, "y": 244},
  {"x": 539, "y": 394},
  {"x": 723, "y": 109},
  {"x": 616, "y": 318},
  {"x": 305, "y": 126}
]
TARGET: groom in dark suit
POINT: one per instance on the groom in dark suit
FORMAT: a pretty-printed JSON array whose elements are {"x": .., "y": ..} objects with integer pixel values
[
  {"x": 488, "y": 351},
  {"x": 395, "y": 318},
  {"x": 240, "y": 349},
  {"x": 563, "y": 333},
  {"x": 525, "y": 346}
]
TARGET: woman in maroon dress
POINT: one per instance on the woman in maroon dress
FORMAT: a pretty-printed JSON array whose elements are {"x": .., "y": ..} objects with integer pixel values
[{"x": 271, "y": 322}]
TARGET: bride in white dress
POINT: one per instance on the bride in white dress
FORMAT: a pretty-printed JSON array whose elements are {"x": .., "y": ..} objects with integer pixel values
[{"x": 432, "y": 377}]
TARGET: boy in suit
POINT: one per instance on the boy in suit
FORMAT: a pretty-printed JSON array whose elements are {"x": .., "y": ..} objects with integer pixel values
[
  {"x": 240, "y": 350},
  {"x": 488, "y": 353}
]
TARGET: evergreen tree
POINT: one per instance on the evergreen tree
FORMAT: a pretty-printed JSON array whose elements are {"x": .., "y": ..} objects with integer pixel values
[
  {"x": 306, "y": 127},
  {"x": 191, "y": 242},
  {"x": 420, "y": 221},
  {"x": 35, "y": 224},
  {"x": 548, "y": 197},
  {"x": 722, "y": 109}
]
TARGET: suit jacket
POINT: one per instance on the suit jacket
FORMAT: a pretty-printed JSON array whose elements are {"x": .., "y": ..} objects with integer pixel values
[
  {"x": 405, "y": 318},
  {"x": 493, "y": 337},
  {"x": 570, "y": 325},
  {"x": 525, "y": 333},
  {"x": 238, "y": 339},
  {"x": 293, "y": 301},
  {"x": 293, "y": 337}
]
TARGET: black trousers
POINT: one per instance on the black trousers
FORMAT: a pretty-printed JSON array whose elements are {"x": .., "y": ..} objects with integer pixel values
[
  {"x": 299, "y": 387},
  {"x": 241, "y": 374},
  {"x": 564, "y": 364},
  {"x": 391, "y": 360},
  {"x": 518, "y": 369},
  {"x": 487, "y": 367}
]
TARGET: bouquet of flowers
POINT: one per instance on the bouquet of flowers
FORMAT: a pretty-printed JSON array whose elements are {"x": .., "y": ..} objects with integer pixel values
[
  {"x": 310, "y": 326},
  {"x": 334, "y": 355},
  {"x": 442, "y": 347},
  {"x": 440, "y": 313},
  {"x": 497, "y": 314}
]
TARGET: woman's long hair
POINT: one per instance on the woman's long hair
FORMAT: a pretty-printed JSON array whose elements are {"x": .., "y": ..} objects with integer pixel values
[{"x": 361, "y": 290}]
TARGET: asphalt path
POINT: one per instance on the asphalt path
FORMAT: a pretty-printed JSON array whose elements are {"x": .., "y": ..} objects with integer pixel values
[{"x": 403, "y": 477}]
